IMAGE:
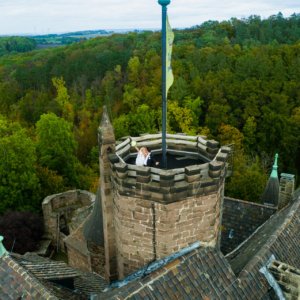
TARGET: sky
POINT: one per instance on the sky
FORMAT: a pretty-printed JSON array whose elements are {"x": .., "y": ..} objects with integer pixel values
[{"x": 53, "y": 16}]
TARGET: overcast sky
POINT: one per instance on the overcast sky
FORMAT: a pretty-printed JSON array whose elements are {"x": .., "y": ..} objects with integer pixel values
[{"x": 21, "y": 16}]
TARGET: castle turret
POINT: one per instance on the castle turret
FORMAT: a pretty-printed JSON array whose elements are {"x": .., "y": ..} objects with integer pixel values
[
  {"x": 159, "y": 212},
  {"x": 270, "y": 195},
  {"x": 99, "y": 230}
]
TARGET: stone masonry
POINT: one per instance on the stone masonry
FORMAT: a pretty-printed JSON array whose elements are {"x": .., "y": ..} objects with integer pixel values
[
  {"x": 77, "y": 260},
  {"x": 106, "y": 142},
  {"x": 177, "y": 225},
  {"x": 185, "y": 212},
  {"x": 96, "y": 258},
  {"x": 65, "y": 205},
  {"x": 286, "y": 189}
]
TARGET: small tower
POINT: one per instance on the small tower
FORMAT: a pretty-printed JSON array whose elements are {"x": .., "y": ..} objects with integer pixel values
[
  {"x": 287, "y": 188},
  {"x": 94, "y": 235},
  {"x": 270, "y": 195},
  {"x": 99, "y": 230}
]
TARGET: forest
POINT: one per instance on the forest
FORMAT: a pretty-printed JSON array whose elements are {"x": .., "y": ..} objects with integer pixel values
[
  {"x": 16, "y": 44},
  {"x": 236, "y": 81}
]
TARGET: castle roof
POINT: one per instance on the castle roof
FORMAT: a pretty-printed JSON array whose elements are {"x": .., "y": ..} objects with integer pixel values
[
  {"x": 270, "y": 195},
  {"x": 93, "y": 229},
  {"x": 205, "y": 273},
  {"x": 30, "y": 276}
]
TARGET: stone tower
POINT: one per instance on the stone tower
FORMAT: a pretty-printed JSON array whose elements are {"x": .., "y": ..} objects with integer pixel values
[
  {"x": 148, "y": 213},
  {"x": 99, "y": 230},
  {"x": 158, "y": 214}
]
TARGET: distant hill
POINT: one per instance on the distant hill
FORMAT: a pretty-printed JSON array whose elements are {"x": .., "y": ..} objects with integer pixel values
[
  {"x": 68, "y": 38},
  {"x": 15, "y": 45}
]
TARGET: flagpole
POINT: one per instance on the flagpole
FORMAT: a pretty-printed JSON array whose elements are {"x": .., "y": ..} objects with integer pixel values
[{"x": 164, "y": 4}]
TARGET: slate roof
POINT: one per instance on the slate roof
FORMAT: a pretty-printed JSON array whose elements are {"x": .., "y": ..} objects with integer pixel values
[
  {"x": 270, "y": 195},
  {"x": 202, "y": 273},
  {"x": 15, "y": 282},
  {"x": 44, "y": 268},
  {"x": 28, "y": 276},
  {"x": 271, "y": 192},
  {"x": 239, "y": 220},
  {"x": 93, "y": 229},
  {"x": 205, "y": 273},
  {"x": 280, "y": 233}
]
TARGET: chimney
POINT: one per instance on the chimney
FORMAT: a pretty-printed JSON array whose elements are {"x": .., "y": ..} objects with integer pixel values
[{"x": 286, "y": 189}]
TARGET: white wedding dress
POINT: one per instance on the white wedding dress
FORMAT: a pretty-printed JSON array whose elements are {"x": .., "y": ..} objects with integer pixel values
[{"x": 140, "y": 158}]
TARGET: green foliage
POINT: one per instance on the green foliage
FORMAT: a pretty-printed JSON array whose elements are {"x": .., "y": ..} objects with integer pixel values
[
  {"x": 17, "y": 168},
  {"x": 16, "y": 44},
  {"x": 235, "y": 81},
  {"x": 248, "y": 181},
  {"x": 56, "y": 146}
]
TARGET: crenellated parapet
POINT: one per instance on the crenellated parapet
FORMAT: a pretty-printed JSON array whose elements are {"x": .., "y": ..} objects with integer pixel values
[{"x": 172, "y": 185}]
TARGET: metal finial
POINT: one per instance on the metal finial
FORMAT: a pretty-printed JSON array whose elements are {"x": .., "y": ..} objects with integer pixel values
[
  {"x": 2, "y": 248},
  {"x": 274, "y": 173}
]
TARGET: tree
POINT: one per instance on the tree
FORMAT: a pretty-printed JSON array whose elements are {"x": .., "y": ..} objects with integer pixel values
[
  {"x": 50, "y": 182},
  {"x": 56, "y": 146},
  {"x": 21, "y": 231},
  {"x": 249, "y": 132},
  {"x": 248, "y": 181},
  {"x": 229, "y": 135},
  {"x": 179, "y": 119},
  {"x": 143, "y": 121},
  {"x": 194, "y": 105},
  {"x": 17, "y": 168}
]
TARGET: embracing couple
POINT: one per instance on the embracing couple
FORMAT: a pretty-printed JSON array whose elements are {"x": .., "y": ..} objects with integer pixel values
[{"x": 145, "y": 158}]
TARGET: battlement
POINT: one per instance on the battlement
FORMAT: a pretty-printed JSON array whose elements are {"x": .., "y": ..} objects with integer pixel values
[
  {"x": 168, "y": 186},
  {"x": 158, "y": 212}
]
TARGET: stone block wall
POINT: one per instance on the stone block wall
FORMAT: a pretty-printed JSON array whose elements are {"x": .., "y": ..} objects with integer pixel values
[
  {"x": 177, "y": 225},
  {"x": 96, "y": 258},
  {"x": 77, "y": 259},
  {"x": 286, "y": 190},
  {"x": 186, "y": 211},
  {"x": 65, "y": 204},
  {"x": 239, "y": 220}
]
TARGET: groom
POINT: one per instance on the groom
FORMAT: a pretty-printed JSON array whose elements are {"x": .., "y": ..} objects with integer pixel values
[{"x": 149, "y": 160}]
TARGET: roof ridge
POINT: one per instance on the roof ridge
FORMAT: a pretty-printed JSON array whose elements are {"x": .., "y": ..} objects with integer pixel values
[{"x": 270, "y": 240}]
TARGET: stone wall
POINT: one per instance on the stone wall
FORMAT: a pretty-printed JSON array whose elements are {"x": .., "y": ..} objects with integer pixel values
[
  {"x": 96, "y": 258},
  {"x": 286, "y": 189},
  {"x": 186, "y": 210},
  {"x": 65, "y": 205},
  {"x": 177, "y": 225},
  {"x": 239, "y": 220},
  {"x": 77, "y": 259}
]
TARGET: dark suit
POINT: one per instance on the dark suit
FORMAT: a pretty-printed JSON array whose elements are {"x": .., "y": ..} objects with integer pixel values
[{"x": 151, "y": 161}]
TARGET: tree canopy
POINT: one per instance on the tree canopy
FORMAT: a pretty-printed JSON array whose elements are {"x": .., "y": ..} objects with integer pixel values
[
  {"x": 236, "y": 81},
  {"x": 15, "y": 44}
]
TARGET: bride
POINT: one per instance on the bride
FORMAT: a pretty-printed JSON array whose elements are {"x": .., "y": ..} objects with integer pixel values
[{"x": 140, "y": 157}]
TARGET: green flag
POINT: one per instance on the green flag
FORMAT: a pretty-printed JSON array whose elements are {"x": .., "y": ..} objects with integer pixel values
[{"x": 170, "y": 39}]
